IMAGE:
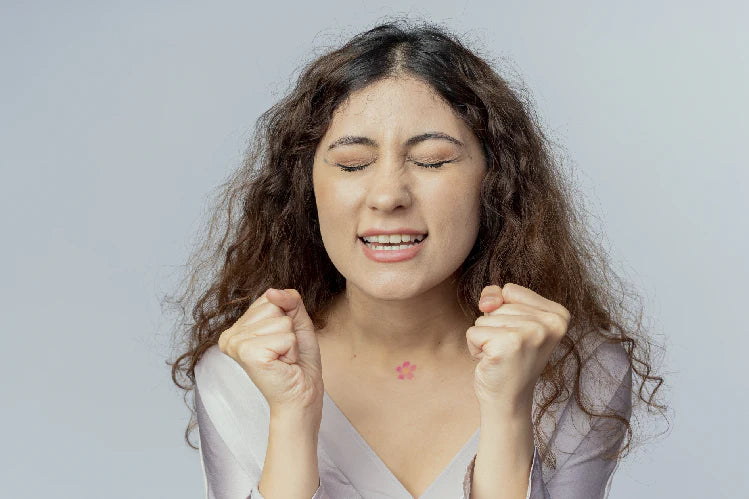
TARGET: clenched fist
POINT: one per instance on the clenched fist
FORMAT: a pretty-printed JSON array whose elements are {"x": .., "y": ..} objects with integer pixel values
[
  {"x": 513, "y": 341},
  {"x": 275, "y": 343}
]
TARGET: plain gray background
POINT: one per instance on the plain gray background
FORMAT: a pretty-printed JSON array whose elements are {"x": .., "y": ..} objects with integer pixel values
[{"x": 118, "y": 118}]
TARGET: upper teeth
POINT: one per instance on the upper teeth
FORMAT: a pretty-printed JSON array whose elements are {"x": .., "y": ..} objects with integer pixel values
[{"x": 393, "y": 238}]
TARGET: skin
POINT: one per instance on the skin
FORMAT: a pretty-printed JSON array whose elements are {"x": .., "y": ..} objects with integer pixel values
[{"x": 392, "y": 313}]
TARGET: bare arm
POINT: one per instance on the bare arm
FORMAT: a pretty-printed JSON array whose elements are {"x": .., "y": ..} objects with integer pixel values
[
  {"x": 290, "y": 469},
  {"x": 504, "y": 457}
]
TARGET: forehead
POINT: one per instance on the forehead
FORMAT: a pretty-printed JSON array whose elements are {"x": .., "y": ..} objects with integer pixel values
[{"x": 402, "y": 102}]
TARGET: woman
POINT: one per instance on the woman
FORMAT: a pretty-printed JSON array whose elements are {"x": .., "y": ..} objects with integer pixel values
[{"x": 326, "y": 363}]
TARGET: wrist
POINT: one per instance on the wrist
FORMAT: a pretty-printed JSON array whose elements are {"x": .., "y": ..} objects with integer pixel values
[
  {"x": 518, "y": 411},
  {"x": 295, "y": 421},
  {"x": 292, "y": 450},
  {"x": 505, "y": 453}
]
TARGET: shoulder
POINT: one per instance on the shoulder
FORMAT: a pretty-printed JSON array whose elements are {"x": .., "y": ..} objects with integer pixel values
[
  {"x": 605, "y": 387},
  {"x": 604, "y": 367},
  {"x": 234, "y": 405},
  {"x": 606, "y": 379},
  {"x": 228, "y": 394},
  {"x": 218, "y": 375},
  {"x": 214, "y": 361}
]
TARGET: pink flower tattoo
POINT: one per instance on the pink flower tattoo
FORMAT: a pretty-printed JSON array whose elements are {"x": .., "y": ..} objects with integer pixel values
[{"x": 405, "y": 370}]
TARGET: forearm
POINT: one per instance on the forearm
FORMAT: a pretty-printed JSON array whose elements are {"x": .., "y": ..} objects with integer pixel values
[
  {"x": 290, "y": 470},
  {"x": 504, "y": 457}
]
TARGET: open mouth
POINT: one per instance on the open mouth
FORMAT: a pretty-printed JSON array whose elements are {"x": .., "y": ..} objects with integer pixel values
[{"x": 376, "y": 246}]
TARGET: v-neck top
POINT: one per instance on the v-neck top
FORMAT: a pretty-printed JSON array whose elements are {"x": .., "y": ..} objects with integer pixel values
[
  {"x": 357, "y": 460},
  {"x": 233, "y": 424}
]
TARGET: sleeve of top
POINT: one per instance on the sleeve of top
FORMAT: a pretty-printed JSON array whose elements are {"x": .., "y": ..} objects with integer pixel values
[
  {"x": 585, "y": 473},
  {"x": 223, "y": 476}
]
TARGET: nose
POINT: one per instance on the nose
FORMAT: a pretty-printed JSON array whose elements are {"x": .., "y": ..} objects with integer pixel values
[{"x": 390, "y": 185}]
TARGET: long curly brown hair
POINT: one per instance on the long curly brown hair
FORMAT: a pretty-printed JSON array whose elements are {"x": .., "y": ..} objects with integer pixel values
[{"x": 264, "y": 230}]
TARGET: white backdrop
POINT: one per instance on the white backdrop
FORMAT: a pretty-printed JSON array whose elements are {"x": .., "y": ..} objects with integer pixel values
[{"x": 117, "y": 119}]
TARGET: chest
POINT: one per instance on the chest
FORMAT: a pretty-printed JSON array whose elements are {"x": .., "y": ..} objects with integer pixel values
[
  {"x": 415, "y": 444},
  {"x": 416, "y": 432}
]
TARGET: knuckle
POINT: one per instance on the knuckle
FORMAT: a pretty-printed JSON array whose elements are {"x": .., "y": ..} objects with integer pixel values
[
  {"x": 540, "y": 329},
  {"x": 471, "y": 332},
  {"x": 259, "y": 301},
  {"x": 223, "y": 340},
  {"x": 244, "y": 349},
  {"x": 266, "y": 310},
  {"x": 232, "y": 342},
  {"x": 514, "y": 341},
  {"x": 288, "y": 322},
  {"x": 258, "y": 323},
  {"x": 539, "y": 338},
  {"x": 558, "y": 325}
]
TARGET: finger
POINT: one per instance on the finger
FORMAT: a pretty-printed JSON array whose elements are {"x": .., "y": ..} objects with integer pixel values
[
  {"x": 267, "y": 348},
  {"x": 262, "y": 299},
  {"x": 508, "y": 320},
  {"x": 263, "y": 311},
  {"x": 491, "y": 291},
  {"x": 286, "y": 299},
  {"x": 269, "y": 325},
  {"x": 266, "y": 327},
  {"x": 257, "y": 311},
  {"x": 515, "y": 309},
  {"x": 479, "y": 336},
  {"x": 515, "y": 293},
  {"x": 552, "y": 320},
  {"x": 490, "y": 303},
  {"x": 265, "y": 315},
  {"x": 490, "y": 299},
  {"x": 530, "y": 326},
  {"x": 253, "y": 311}
]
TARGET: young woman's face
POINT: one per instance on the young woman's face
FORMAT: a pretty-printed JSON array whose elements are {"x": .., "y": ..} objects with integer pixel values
[{"x": 383, "y": 128}]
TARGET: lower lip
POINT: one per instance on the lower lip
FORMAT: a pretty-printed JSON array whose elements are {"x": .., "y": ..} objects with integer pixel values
[{"x": 391, "y": 255}]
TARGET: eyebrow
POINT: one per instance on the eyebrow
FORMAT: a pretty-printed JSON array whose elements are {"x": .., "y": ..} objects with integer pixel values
[{"x": 355, "y": 139}]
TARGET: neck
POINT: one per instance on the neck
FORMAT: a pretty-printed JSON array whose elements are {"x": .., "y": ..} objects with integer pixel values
[{"x": 379, "y": 335}]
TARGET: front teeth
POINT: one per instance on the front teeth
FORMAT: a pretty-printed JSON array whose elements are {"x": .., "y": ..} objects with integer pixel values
[{"x": 393, "y": 238}]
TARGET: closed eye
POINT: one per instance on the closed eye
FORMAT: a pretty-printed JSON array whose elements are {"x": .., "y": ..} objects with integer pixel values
[{"x": 361, "y": 167}]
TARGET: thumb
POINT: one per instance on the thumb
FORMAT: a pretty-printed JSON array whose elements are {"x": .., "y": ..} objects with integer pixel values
[
  {"x": 291, "y": 302},
  {"x": 491, "y": 299}
]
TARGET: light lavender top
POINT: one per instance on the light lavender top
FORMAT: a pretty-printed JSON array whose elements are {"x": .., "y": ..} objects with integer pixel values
[{"x": 233, "y": 423}]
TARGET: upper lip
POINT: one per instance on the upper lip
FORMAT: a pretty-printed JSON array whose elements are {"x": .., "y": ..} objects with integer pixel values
[{"x": 387, "y": 232}]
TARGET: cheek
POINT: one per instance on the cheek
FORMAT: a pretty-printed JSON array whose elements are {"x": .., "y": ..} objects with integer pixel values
[
  {"x": 323, "y": 200},
  {"x": 334, "y": 208},
  {"x": 457, "y": 203}
]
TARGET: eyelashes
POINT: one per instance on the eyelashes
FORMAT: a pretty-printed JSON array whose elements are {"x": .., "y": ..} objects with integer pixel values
[{"x": 361, "y": 167}]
